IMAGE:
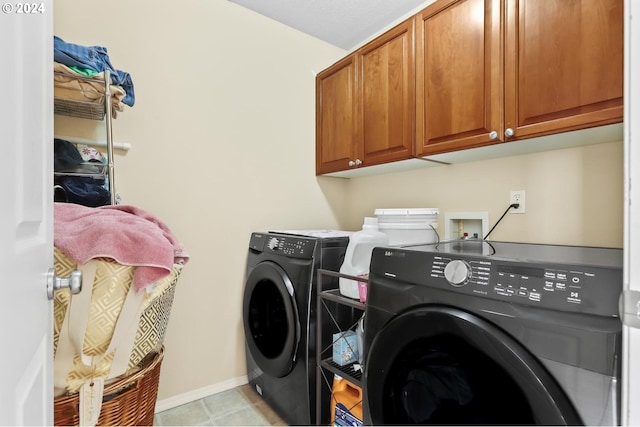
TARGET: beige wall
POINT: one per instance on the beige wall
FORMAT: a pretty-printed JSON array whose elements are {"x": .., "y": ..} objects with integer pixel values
[
  {"x": 573, "y": 196},
  {"x": 223, "y": 136}
]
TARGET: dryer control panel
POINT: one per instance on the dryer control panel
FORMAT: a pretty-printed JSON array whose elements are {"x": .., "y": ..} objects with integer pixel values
[{"x": 575, "y": 287}]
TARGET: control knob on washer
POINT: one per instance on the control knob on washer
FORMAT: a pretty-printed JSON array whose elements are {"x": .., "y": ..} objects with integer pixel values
[
  {"x": 273, "y": 244},
  {"x": 457, "y": 272}
]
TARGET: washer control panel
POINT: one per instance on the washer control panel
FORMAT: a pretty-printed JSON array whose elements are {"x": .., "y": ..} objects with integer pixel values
[
  {"x": 566, "y": 287},
  {"x": 291, "y": 246},
  {"x": 565, "y": 278}
]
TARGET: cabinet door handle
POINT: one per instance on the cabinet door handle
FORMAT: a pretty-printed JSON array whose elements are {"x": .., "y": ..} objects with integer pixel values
[
  {"x": 493, "y": 135},
  {"x": 358, "y": 162},
  {"x": 509, "y": 132},
  {"x": 352, "y": 163}
]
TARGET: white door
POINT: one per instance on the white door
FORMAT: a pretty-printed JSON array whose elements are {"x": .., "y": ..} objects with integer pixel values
[
  {"x": 26, "y": 213},
  {"x": 631, "y": 329}
]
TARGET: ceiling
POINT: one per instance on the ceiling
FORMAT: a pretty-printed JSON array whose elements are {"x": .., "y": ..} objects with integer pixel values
[{"x": 342, "y": 23}]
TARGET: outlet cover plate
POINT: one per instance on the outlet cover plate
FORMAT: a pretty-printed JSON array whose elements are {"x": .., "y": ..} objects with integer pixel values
[{"x": 517, "y": 196}]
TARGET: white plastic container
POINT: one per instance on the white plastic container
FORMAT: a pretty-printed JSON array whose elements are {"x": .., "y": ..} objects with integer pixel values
[
  {"x": 358, "y": 255},
  {"x": 408, "y": 226}
]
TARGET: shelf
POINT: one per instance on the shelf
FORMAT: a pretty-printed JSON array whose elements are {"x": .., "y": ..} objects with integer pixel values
[
  {"x": 79, "y": 109},
  {"x": 86, "y": 169},
  {"x": 88, "y": 98},
  {"x": 80, "y": 96},
  {"x": 347, "y": 372},
  {"x": 335, "y": 296}
]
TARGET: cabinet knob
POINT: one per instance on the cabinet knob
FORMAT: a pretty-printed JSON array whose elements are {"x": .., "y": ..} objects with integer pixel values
[
  {"x": 493, "y": 135},
  {"x": 352, "y": 163},
  {"x": 509, "y": 132},
  {"x": 358, "y": 162}
]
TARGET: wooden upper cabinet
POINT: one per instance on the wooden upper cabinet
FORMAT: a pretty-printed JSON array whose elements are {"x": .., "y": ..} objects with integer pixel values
[
  {"x": 563, "y": 65},
  {"x": 365, "y": 104},
  {"x": 336, "y": 117},
  {"x": 459, "y": 75},
  {"x": 468, "y": 73},
  {"x": 491, "y": 71},
  {"x": 386, "y": 96}
]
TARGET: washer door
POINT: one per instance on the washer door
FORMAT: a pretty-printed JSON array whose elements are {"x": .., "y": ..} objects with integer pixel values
[
  {"x": 270, "y": 317},
  {"x": 440, "y": 365}
]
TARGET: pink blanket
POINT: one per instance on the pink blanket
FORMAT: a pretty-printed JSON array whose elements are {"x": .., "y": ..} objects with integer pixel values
[{"x": 124, "y": 233}]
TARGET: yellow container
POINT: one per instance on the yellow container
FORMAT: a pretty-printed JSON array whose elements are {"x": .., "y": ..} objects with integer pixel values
[{"x": 346, "y": 403}]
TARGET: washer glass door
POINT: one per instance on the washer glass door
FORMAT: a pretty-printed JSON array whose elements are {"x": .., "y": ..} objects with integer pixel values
[
  {"x": 440, "y": 365},
  {"x": 270, "y": 318}
]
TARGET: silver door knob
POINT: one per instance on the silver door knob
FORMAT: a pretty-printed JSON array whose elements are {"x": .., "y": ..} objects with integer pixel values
[
  {"x": 73, "y": 282},
  {"x": 358, "y": 162},
  {"x": 352, "y": 163},
  {"x": 493, "y": 135},
  {"x": 509, "y": 132}
]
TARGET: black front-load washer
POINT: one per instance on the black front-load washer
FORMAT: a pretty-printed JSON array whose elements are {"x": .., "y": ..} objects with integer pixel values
[
  {"x": 279, "y": 316},
  {"x": 478, "y": 332}
]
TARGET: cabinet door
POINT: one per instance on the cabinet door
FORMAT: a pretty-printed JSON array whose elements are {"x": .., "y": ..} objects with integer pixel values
[
  {"x": 563, "y": 65},
  {"x": 336, "y": 117},
  {"x": 458, "y": 75},
  {"x": 386, "y": 96}
]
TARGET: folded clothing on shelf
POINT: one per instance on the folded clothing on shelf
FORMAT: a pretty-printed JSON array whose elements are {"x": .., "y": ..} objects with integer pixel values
[
  {"x": 68, "y": 86},
  {"x": 94, "y": 58},
  {"x": 81, "y": 190},
  {"x": 78, "y": 180},
  {"x": 65, "y": 155}
]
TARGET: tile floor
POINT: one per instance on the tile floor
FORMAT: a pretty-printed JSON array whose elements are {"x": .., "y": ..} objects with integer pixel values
[{"x": 240, "y": 406}]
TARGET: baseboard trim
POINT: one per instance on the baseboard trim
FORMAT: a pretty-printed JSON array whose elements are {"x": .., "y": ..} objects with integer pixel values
[{"x": 190, "y": 396}]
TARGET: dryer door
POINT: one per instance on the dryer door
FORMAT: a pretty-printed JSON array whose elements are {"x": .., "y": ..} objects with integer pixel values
[
  {"x": 440, "y": 365},
  {"x": 270, "y": 317}
]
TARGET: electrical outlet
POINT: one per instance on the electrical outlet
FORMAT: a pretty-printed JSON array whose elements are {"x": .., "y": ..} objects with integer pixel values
[{"x": 517, "y": 196}]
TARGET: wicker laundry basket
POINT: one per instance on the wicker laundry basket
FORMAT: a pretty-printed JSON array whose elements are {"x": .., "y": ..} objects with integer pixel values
[
  {"x": 129, "y": 401},
  {"x": 129, "y": 391}
]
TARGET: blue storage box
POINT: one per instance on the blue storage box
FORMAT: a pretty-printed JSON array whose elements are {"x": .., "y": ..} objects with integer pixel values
[{"x": 345, "y": 348}]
